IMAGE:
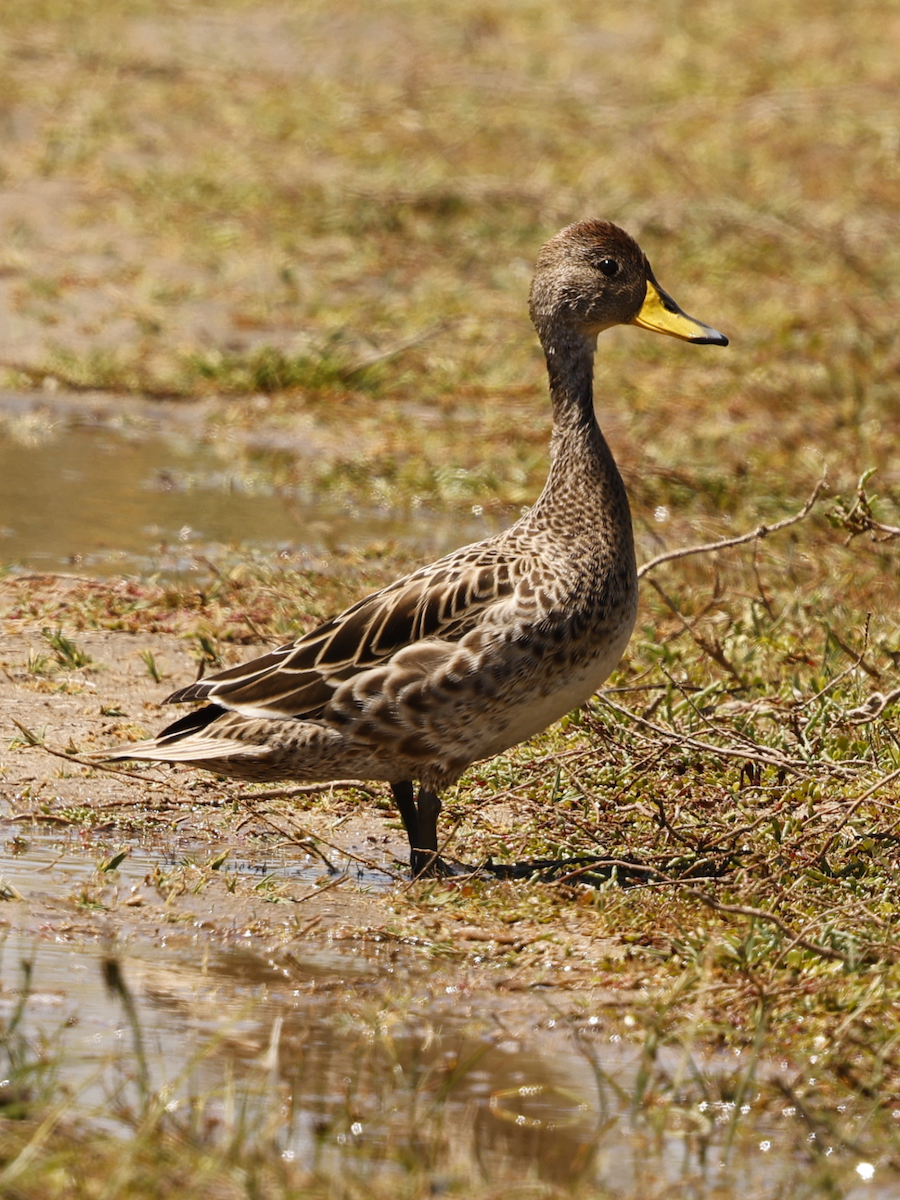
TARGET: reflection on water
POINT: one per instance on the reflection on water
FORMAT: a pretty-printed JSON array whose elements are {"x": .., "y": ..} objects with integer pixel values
[
  {"x": 360, "y": 1088},
  {"x": 352, "y": 1064},
  {"x": 349, "y": 1058},
  {"x": 94, "y": 500},
  {"x": 362, "y": 1060}
]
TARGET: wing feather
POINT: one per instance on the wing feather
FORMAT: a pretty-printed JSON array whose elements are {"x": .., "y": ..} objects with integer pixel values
[{"x": 443, "y": 601}]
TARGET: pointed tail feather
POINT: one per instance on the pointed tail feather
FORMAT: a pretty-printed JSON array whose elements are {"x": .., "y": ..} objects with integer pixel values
[
  {"x": 184, "y": 741},
  {"x": 181, "y": 750}
]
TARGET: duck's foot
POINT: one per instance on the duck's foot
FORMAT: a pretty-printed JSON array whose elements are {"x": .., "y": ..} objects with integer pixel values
[{"x": 428, "y": 864}]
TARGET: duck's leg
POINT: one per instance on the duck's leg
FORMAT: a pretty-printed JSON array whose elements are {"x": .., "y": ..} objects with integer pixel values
[
  {"x": 429, "y": 809},
  {"x": 404, "y": 798},
  {"x": 420, "y": 821},
  {"x": 425, "y": 859}
]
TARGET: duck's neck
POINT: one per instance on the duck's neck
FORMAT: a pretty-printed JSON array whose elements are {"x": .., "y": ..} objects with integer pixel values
[{"x": 584, "y": 490}]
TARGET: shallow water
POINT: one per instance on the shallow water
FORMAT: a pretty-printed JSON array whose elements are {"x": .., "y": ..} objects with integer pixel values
[
  {"x": 341, "y": 1085},
  {"x": 97, "y": 498},
  {"x": 50, "y": 865},
  {"x": 232, "y": 1026},
  {"x": 358, "y": 1057}
]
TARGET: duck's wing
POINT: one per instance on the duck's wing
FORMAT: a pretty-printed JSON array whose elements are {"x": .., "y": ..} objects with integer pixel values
[{"x": 445, "y": 600}]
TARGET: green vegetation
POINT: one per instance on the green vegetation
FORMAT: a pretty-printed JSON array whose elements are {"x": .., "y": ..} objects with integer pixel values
[
  {"x": 231, "y": 199},
  {"x": 68, "y": 656},
  {"x": 323, "y": 219}
]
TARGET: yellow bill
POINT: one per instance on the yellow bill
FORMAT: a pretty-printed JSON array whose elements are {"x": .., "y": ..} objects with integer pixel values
[{"x": 660, "y": 313}]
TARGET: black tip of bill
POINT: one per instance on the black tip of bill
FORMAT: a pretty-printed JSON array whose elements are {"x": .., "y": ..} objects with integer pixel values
[{"x": 711, "y": 337}]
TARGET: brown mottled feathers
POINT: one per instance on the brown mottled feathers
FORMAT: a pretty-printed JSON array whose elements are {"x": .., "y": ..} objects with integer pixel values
[{"x": 444, "y": 600}]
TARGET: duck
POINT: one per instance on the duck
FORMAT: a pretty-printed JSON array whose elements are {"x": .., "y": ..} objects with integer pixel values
[{"x": 491, "y": 644}]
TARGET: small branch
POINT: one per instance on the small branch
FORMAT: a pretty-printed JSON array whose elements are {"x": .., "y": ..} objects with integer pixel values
[
  {"x": 713, "y": 649},
  {"x": 306, "y": 840},
  {"x": 751, "y": 751},
  {"x": 889, "y": 531},
  {"x": 437, "y": 855},
  {"x": 872, "y": 708},
  {"x": 755, "y": 535},
  {"x": 307, "y": 837},
  {"x": 857, "y": 662},
  {"x": 762, "y": 914},
  {"x": 859, "y": 519},
  {"x": 38, "y": 743},
  {"x": 858, "y": 657},
  {"x": 854, "y": 807}
]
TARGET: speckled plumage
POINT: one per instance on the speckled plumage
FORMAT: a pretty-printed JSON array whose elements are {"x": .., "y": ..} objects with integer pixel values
[{"x": 488, "y": 645}]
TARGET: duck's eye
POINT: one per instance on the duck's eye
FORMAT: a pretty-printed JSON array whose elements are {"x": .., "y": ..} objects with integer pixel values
[{"x": 609, "y": 266}]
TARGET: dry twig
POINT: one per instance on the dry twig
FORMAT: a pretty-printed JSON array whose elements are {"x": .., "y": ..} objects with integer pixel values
[
  {"x": 38, "y": 743},
  {"x": 752, "y": 751},
  {"x": 742, "y": 539}
]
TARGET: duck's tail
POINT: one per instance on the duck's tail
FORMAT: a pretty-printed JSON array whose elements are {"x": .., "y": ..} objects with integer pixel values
[{"x": 184, "y": 741}]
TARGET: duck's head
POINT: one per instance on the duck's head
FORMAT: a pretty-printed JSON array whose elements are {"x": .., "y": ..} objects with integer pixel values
[{"x": 593, "y": 275}]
